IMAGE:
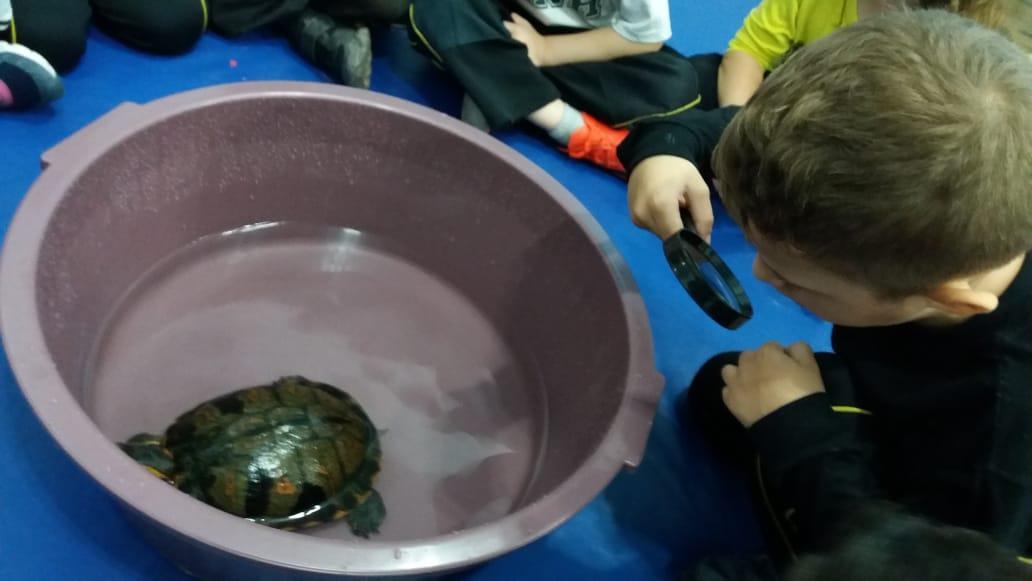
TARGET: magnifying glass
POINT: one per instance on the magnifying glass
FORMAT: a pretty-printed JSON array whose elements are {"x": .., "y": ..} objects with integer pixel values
[{"x": 707, "y": 278}]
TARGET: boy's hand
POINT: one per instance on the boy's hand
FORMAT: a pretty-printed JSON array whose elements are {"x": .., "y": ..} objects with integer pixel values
[
  {"x": 659, "y": 187},
  {"x": 524, "y": 32},
  {"x": 768, "y": 379}
]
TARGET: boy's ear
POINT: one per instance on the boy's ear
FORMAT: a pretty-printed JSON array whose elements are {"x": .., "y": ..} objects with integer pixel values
[{"x": 959, "y": 299}]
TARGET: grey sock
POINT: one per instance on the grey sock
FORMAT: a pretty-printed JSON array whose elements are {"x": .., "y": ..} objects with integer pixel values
[{"x": 570, "y": 122}]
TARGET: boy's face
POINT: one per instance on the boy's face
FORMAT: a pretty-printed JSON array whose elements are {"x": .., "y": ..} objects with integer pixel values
[{"x": 827, "y": 294}]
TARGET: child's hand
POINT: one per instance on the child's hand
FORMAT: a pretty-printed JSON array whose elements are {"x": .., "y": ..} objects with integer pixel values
[
  {"x": 525, "y": 33},
  {"x": 768, "y": 379},
  {"x": 659, "y": 187}
]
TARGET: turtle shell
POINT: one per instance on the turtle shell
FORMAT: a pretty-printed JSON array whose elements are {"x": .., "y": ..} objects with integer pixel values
[{"x": 288, "y": 454}]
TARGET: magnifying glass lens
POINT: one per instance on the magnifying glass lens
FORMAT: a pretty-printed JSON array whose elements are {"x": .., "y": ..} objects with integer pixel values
[{"x": 707, "y": 279}]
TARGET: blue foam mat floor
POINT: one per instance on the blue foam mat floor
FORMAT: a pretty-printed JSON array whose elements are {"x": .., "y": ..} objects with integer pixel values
[{"x": 55, "y": 523}]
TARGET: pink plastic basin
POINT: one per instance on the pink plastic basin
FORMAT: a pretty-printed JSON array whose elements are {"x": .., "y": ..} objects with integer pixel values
[{"x": 463, "y": 296}]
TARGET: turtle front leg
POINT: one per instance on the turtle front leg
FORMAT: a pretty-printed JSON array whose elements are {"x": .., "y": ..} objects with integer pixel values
[
  {"x": 150, "y": 451},
  {"x": 366, "y": 518}
]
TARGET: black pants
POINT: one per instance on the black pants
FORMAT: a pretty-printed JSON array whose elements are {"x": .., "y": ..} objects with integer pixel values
[
  {"x": 707, "y": 68},
  {"x": 57, "y": 28},
  {"x": 235, "y": 17},
  {"x": 467, "y": 38},
  {"x": 703, "y": 406}
]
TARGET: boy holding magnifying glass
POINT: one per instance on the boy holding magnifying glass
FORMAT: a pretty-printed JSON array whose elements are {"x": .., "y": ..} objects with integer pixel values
[{"x": 883, "y": 174}]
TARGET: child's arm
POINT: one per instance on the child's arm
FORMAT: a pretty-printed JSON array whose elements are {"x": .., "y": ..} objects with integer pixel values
[
  {"x": 596, "y": 45},
  {"x": 664, "y": 157},
  {"x": 813, "y": 457},
  {"x": 600, "y": 44},
  {"x": 765, "y": 37},
  {"x": 657, "y": 190},
  {"x": 739, "y": 77}
]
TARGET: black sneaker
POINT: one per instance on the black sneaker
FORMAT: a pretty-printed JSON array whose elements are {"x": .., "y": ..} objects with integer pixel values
[{"x": 345, "y": 53}]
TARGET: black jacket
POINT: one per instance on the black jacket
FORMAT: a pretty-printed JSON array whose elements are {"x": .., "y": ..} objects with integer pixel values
[{"x": 948, "y": 435}]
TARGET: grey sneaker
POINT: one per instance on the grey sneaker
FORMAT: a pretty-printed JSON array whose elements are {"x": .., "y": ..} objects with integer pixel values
[
  {"x": 357, "y": 58},
  {"x": 26, "y": 78},
  {"x": 345, "y": 53}
]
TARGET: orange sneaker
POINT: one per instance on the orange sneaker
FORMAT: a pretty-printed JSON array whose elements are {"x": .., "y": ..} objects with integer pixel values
[{"x": 597, "y": 142}]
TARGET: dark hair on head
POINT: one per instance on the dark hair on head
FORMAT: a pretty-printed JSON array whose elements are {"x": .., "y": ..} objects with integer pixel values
[
  {"x": 894, "y": 152},
  {"x": 883, "y": 543}
]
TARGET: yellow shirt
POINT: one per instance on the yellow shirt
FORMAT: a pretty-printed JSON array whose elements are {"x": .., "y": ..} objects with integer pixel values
[{"x": 777, "y": 27}]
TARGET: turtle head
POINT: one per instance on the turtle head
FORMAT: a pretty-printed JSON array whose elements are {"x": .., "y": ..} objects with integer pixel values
[{"x": 150, "y": 451}]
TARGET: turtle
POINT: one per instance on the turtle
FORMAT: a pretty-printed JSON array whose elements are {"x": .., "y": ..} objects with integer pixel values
[{"x": 290, "y": 454}]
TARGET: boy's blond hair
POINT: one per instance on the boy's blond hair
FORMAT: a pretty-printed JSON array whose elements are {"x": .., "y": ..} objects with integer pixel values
[{"x": 896, "y": 152}]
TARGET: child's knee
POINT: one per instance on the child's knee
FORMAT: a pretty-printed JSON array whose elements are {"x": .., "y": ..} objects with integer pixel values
[
  {"x": 709, "y": 376},
  {"x": 703, "y": 398},
  {"x": 172, "y": 27},
  {"x": 378, "y": 10},
  {"x": 687, "y": 88},
  {"x": 389, "y": 10},
  {"x": 62, "y": 42},
  {"x": 427, "y": 16},
  {"x": 445, "y": 24}
]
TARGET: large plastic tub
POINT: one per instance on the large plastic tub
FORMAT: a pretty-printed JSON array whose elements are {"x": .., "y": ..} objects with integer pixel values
[{"x": 219, "y": 238}]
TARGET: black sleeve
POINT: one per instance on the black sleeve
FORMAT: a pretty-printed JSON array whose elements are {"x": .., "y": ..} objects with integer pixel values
[
  {"x": 1005, "y": 507},
  {"x": 1003, "y": 489},
  {"x": 691, "y": 134},
  {"x": 818, "y": 465}
]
